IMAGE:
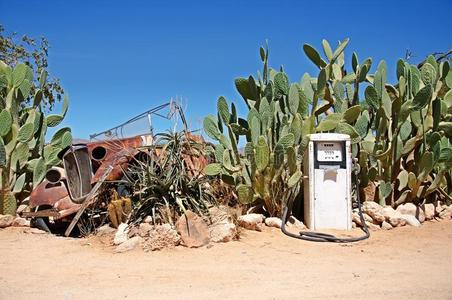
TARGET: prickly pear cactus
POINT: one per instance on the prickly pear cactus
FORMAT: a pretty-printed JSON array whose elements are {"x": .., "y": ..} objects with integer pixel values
[
  {"x": 400, "y": 132},
  {"x": 22, "y": 135}
]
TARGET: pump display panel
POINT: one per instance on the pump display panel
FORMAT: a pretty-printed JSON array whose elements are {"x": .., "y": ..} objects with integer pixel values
[{"x": 329, "y": 152}]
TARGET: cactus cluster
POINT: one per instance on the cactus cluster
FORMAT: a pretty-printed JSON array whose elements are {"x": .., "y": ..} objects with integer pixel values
[
  {"x": 24, "y": 154},
  {"x": 400, "y": 133}
]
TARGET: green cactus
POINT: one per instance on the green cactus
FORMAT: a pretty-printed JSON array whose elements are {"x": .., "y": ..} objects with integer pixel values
[
  {"x": 22, "y": 137},
  {"x": 400, "y": 133}
]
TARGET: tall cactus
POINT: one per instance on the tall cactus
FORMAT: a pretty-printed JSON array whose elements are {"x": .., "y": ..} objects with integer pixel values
[
  {"x": 24, "y": 154},
  {"x": 400, "y": 133}
]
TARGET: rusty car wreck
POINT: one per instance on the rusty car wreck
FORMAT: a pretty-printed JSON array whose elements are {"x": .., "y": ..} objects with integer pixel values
[{"x": 83, "y": 165}]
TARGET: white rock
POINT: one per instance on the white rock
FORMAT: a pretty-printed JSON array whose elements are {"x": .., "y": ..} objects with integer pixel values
[
  {"x": 222, "y": 232},
  {"x": 121, "y": 234},
  {"x": 129, "y": 244},
  {"x": 373, "y": 209},
  {"x": 251, "y": 221},
  {"x": 6, "y": 220},
  {"x": 273, "y": 222},
  {"x": 148, "y": 219},
  {"x": 411, "y": 220},
  {"x": 20, "y": 222},
  {"x": 393, "y": 217},
  {"x": 222, "y": 228},
  {"x": 429, "y": 211},
  {"x": 294, "y": 222},
  {"x": 105, "y": 230},
  {"x": 386, "y": 226},
  {"x": 412, "y": 210}
]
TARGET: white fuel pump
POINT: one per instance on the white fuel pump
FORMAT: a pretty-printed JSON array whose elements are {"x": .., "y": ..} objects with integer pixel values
[
  {"x": 327, "y": 192},
  {"x": 327, "y": 189}
]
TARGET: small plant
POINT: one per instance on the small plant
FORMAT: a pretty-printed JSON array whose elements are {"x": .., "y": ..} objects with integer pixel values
[
  {"x": 163, "y": 184},
  {"x": 24, "y": 154}
]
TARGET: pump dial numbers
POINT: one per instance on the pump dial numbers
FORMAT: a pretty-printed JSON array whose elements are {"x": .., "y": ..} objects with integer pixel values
[{"x": 329, "y": 151}]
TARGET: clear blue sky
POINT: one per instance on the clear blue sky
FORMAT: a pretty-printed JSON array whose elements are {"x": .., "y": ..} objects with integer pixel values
[{"x": 119, "y": 58}]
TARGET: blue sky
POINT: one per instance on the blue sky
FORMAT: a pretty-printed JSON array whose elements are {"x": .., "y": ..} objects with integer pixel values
[{"x": 119, "y": 58}]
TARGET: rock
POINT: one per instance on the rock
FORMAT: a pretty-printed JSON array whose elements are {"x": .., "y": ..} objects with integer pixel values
[
  {"x": 193, "y": 230},
  {"x": 121, "y": 234},
  {"x": 393, "y": 217},
  {"x": 134, "y": 231},
  {"x": 222, "y": 228},
  {"x": 373, "y": 209},
  {"x": 411, "y": 220},
  {"x": 273, "y": 222},
  {"x": 373, "y": 226},
  {"x": 220, "y": 214},
  {"x": 222, "y": 232},
  {"x": 6, "y": 220},
  {"x": 105, "y": 230},
  {"x": 369, "y": 192},
  {"x": 429, "y": 211},
  {"x": 148, "y": 219},
  {"x": 386, "y": 226},
  {"x": 160, "y": 237},
  {"x": 20, "y": 222},
  {"x": 144, "y": 229},
  {"x": 128, "y": 245},
  {"x": 356, "y": 218},
  {"x": 412, "y": 210},
  {"x": 294, "y": 222},
  {"x": 354, "y": 225},
  {"x": 446, "y": 212},
  {"x": 251, "y": 221}
]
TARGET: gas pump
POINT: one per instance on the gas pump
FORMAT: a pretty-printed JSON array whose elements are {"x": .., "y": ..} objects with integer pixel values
[{"x": 327, "y": 188}]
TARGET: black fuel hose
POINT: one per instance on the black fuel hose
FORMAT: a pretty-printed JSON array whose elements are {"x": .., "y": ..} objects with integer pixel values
[{"x": 324, "y": 237}]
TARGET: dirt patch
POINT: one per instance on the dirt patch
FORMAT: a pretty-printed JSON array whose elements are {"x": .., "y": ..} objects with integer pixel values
[{"x": 404, "y": 263}]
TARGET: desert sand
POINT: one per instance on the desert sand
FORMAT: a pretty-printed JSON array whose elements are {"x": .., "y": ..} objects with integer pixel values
[{"x": 403, "y": 263}]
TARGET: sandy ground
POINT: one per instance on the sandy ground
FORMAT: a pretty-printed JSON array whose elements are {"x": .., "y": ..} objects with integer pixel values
[{"x": 405, "y": 263}]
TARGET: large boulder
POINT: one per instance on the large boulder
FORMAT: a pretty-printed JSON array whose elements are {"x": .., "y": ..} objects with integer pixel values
[
  {"x": 6, "y": 220},
  {"x": 193, "y": 230},
  {"x": 251, "y": 221},
  {"x": 412, "y": 210},
  {"x": 161, "y": 237},
  {"x": 393, "y": 217},
  {"x": 373, "y": 209}
]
